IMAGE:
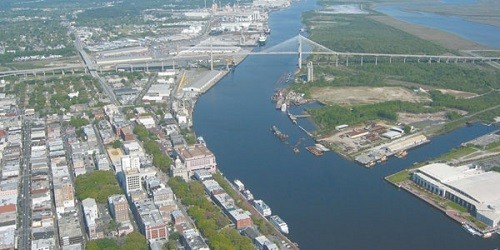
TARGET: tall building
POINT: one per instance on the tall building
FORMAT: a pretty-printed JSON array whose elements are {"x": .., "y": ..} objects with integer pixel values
[
  {"x": 118, "y": 206},
  {"x": 90, "y": 213},
  {"x": 149, "y": 220},
  {"x": 130, "y": 162},
  {"x": 134, "y": 178}
]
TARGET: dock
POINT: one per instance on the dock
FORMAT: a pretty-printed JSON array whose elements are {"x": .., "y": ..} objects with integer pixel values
[
  {"x": 307, "y": 132},
  {"x": 398, "y": 148}
]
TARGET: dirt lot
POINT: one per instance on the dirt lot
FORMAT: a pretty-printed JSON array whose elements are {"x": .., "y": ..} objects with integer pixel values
[
  {"x": 364, "y": 95},
  {"x": 458, "y": 94},
  {"x": 408, "y": 118}
]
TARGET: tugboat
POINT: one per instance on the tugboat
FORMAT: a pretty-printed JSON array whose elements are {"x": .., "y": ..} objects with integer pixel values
[
  {"x": 267, "y": 30},
  {"x": 262, "y": 40}
]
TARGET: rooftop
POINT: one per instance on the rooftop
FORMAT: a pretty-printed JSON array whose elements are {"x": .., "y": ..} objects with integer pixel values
[{"x": 194, "y": 151}]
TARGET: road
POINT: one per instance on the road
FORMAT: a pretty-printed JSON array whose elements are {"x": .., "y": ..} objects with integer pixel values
[
  {"x": 25, "y": 200},
  {"x": 89, "y": 63}
]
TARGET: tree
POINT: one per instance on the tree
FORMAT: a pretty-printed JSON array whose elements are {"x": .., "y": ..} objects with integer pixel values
[
  {"x": 117, "y": 144},
  {"x": 102, "y": 244},
  {"x": 78, "y": 122},
  {"x": 98, "y": 185},
  {"x": 113, "y": 225},
  {"x": 135, "y": 241}
]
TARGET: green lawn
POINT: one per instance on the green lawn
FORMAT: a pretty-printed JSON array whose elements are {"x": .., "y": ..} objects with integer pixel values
[
  {"x": 457, "y": 153},
  {"x": 455, "y": 206},
  {"x": 399, "y": 177}
]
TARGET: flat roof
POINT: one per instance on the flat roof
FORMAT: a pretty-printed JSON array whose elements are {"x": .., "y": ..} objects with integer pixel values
[
  {"x": 446, "y": 173},
  {"x": 194, "y": 151},
  {"x": 484, "y": 187}
]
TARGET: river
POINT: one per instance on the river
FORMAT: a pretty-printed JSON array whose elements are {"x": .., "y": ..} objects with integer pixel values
[
  {"x": 481, "y": 33},
  {"x": 328, "y": 202}
]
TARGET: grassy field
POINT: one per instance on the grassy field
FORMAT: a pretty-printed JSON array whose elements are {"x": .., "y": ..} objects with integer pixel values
[
  {"x": 399, "y": 177},
  {"x": 359, "y": 33},
  {"x": 457, "y": 153}
]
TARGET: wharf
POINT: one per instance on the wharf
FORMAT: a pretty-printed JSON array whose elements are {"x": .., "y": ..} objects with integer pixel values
[
  {"x": 256, "y": 213},
  {"x": 396, "y": 147}
]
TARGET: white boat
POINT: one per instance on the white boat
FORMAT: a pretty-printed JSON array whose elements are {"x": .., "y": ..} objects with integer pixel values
[
  {"x": 262, "y": 207},
  {"x": 239, "y": 184},
  {"x": 471, "y": 230},
  {"x": 283, "y": 107},
  {"x": 262, "y": 40},
  {"x": 248, "y": 195},
  {"x": 279, "y": 223}
]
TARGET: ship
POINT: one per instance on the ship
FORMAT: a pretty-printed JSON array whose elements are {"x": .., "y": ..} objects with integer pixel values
[
  {"x": 248, "y": 195},
  {"x": 262, "y": 207},
  {"x": 279, "y": 223},
  {"x": 239, "y": 185},
  {"x": 314, "y": 150},
  {"x": 262, "y": 40},
  {"x": 278, "y": 133}
]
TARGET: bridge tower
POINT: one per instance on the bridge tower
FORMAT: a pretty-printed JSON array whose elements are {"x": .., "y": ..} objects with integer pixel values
[{"x": 300, "y": 52}]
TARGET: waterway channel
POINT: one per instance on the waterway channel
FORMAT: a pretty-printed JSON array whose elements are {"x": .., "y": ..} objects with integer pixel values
[
  {"x": 481, "y": 33},
  {"x": 328, "y": 202}
]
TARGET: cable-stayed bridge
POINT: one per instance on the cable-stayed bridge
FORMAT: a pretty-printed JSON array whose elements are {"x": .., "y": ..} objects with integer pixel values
[{"x": 298, "y": 45}]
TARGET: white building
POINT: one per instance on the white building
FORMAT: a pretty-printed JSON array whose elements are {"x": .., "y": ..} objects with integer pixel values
[{"x": 468, "y": 186}]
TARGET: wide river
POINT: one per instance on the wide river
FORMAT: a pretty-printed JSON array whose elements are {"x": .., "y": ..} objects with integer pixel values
[{"x": 328, "y": 202}]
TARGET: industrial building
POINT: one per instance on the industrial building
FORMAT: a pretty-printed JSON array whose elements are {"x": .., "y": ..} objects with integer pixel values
[{"x": 467, "y": 185}]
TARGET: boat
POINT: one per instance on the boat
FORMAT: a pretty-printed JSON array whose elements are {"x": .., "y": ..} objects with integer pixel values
[
  {"x": 401, "y": 154},
  {"x": 279, "y": 223},
  {"x": 262, "y": 207},
  {"x": 278, "y": 133},
  {"x": 279, "y": 103},
  {"x": 262, "y": 40},
  {"x": 296, "y": 150},
  {"x": 283, "y": 107},
  {"x": 239, "y": 185},
  {"x": 267, "y": 30},
  {"x": 314, "y": 150},
  {"x": 248, "y": 195},
  {"x": 470, "y": 229}
]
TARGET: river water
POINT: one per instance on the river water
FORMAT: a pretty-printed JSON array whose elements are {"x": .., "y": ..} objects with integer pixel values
[
  {"x": 328, "y": 202},
  {"x": 481, "y": 33}
]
